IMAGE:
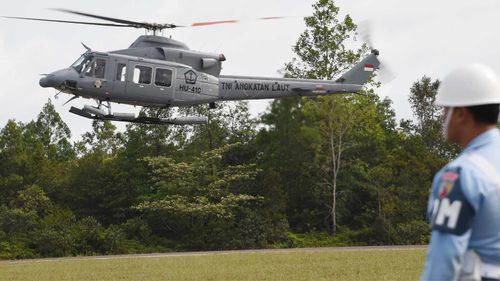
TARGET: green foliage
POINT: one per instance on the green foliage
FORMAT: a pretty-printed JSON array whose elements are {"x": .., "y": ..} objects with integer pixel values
[
  {"x": 16, "y": 250},
  {"x": 102, "y": 139},
  {"x": 428, "y": 124},
  {"x": 112, "y": 240},
  {"x": 320, "y": 239},
  {"x": 99, "y": 186},
  {"x": 229, "y": 122},
  {"x": 412, "y": 233},
  {"x": 53, "y": 133},
  {"x": 203, "y": 203},
  {"x": 321, "y": 50}
]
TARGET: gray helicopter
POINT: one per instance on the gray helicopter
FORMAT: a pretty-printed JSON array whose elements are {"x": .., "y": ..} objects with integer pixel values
[{"x": 156, "y": 71}]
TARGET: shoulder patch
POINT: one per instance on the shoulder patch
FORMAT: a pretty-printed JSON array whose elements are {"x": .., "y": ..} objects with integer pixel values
[
  {"x": 452, "y": 212},
  {"x": 447, "y": 182}
]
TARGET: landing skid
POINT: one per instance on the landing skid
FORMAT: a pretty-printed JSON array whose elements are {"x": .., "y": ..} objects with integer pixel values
[{"x": 126, "y": 117}]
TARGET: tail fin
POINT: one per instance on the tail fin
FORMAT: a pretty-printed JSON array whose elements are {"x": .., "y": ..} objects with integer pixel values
[{"x": 362, "y": 71}]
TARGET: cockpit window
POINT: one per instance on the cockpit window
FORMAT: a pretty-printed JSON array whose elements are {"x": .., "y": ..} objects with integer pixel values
[
  {"x": 96, "y": 68},
  {"x": 89, "y": 71},
  {"x": 81, "y": 63},
  {"x": 100, "y": 68}
]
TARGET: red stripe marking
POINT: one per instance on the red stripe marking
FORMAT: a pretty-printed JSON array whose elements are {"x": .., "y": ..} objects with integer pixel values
[{"x": 213, "y": 22}]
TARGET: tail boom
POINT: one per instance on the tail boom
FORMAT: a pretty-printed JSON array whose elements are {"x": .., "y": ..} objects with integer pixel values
[{"x": 249, "y": 88}]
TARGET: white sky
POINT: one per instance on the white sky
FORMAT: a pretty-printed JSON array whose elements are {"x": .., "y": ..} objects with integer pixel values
[{"x": 414, "y": 37}]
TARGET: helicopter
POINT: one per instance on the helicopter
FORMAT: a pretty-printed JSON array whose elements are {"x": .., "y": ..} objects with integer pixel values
[{"x": 156, "y": 71}]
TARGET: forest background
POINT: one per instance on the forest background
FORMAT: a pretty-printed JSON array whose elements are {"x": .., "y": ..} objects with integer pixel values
[{"x": 327, "y": 171}]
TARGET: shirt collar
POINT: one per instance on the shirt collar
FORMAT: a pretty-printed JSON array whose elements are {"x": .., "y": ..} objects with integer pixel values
[{"x": 483, "y": 139}]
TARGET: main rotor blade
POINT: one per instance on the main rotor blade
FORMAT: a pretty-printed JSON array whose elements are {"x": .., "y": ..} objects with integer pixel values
[
  {"x": 196, "y": 24},
  {"x": 67, "y": 21},
  {"x": 134, "y": 23},
  {"x": 213, "y": 22}
]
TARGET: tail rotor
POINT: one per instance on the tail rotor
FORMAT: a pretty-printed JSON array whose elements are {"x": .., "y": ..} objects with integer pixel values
[{"x": 385, "y": 74}]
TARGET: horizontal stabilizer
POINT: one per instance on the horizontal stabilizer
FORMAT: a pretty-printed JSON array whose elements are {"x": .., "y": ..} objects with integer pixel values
[{"x": 321, "y": 89}]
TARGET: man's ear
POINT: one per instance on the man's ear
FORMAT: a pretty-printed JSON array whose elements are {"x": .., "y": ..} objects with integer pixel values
[{"x": 463, "y": 115}]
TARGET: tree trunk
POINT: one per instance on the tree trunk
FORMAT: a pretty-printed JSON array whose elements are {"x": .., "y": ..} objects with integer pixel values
[
  {"x": 336, "y": 150},
  {"x": 334, "y": 208}
]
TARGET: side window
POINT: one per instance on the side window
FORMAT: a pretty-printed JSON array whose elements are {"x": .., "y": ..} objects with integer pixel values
[
  {"x": 163, "y": 77},
  {"x": 142, "y": 74},
  {"x": 96, "y": 69},
  {"x": 121, "y": 72},
  {"x": 100, "y": 68}
]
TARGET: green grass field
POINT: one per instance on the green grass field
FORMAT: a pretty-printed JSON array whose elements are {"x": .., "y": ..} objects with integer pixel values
[{"x": 300, "y": 264}]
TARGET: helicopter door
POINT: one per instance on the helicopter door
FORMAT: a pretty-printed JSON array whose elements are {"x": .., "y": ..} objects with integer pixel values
[
  {"x": 163, "y": 83},
  {"x": 94, "y": 78},
  {"x": 120, "y": 78},
  {"x": 140, "y": 84}
]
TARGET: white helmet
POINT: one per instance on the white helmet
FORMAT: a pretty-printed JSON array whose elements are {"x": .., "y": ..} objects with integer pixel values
[{"x": 469, "y": 85}]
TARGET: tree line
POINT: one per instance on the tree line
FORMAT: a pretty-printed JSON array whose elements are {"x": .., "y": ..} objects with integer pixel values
[{"x": 331, "y": 170}]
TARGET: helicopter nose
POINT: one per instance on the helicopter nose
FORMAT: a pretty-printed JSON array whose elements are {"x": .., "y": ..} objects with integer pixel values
[
  {"x": 48, "y": 81},
  {"x": 44, "y": 82}
]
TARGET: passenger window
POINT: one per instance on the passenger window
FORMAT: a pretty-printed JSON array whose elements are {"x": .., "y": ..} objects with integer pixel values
[
  {"x": 121, "y": 72},
  {"x": 163, "y": 77},
  {"x": 142, "y": 74},
  {"x": 100, "y": 68}
]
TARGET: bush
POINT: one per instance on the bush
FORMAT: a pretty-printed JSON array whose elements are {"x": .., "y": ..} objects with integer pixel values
[
  {"x": 86, "y": 236},
  {"x": 136, "y": 228},
  {"x": 112, "y": 240},
  {"x": 414, "y": 232},
  {"x": 10, "y": 250},
  {"x": 344, "y": 237},
  {"x": 54, "y": 237}
]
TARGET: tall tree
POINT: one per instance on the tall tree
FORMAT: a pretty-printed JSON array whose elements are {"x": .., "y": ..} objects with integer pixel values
[
  {"x": 322, "y": 54},
  {"x": 102, "y": 139},
  {"x": 143, "y": 140},
  {"x": 53, "y": 133},
  {"x": 422, "y": 99},
  {"x": 320, "y": 50},
  {"x": 14, "y": 159},
  {"x": 230, "y": 122},
  {"x": 283, "y": 148},
  {"x": 429, "y": 117}
]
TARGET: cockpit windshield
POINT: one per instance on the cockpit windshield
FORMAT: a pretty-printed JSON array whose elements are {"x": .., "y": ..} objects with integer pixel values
[{"x": 81, "y": 63}]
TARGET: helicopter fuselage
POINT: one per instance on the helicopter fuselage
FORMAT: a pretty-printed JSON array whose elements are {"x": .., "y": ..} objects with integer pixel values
[
  {"x": 151, "y": 82},
  {"x": 161, "y": 72}
]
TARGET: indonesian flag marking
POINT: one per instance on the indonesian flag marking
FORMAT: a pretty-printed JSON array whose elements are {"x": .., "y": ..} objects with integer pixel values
[
  {"x": 369, "y": 67},
  {"x": 320, "y": 89}
]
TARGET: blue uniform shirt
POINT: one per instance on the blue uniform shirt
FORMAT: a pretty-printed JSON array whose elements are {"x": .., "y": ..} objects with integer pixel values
[{"x": 464, "y": 209}]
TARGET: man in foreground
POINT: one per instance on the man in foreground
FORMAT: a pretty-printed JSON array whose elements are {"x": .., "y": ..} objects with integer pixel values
[{"x": 464, "y": 204}]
